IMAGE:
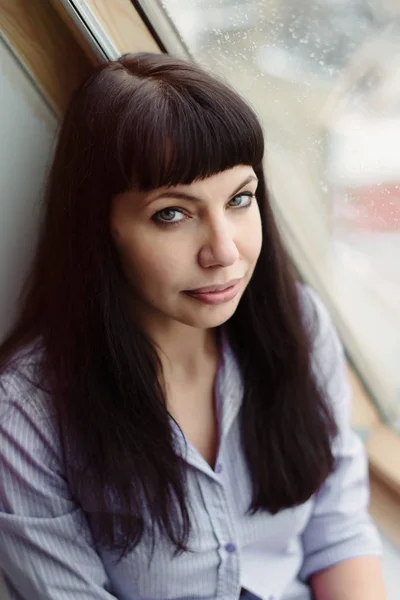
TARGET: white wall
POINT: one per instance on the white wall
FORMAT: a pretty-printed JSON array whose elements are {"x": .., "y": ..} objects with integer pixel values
[{"x": 27, "y": 133}]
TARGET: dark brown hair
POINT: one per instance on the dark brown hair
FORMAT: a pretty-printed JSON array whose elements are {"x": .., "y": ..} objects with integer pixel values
[{"x": 153, "y": 120}]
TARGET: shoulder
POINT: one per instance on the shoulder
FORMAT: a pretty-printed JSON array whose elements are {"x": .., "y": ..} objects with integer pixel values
[
  {"x": 318, "y": 322},
  {"x": 316, "y": 316},
  {"x": 33, "y": 480},
  {"x": 27, "y": 417},
  {"x": 21, "y": 374},
  {"x": 327, "y": 353}
]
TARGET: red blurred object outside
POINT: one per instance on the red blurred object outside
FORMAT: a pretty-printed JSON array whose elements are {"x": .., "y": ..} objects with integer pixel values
[{"x": 372, "y": 208}]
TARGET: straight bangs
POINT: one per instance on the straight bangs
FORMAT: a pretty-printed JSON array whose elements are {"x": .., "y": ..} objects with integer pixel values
[{"x": 177, "y": 134}]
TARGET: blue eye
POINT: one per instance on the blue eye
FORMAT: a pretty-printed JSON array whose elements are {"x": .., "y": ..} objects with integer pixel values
[
  {"x": 241, "y": 200},
  {"x": 169, "y": 215}
]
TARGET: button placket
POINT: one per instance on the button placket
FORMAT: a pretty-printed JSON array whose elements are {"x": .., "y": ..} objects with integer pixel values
[{"x": 229, "y": 569}]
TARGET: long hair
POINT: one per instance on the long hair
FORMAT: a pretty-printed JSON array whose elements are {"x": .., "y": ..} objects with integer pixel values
[{"x": 151, "y": 120}]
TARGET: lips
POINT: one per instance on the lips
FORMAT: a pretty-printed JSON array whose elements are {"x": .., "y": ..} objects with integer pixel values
[
  {"x": 216, "y": 294},
  {"x": 214, "y": 288}
]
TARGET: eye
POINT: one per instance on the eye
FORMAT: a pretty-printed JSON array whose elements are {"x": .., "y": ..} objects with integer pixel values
[
  {"x": 241, "y": 200},
  {"x": 169, "y": 216}
]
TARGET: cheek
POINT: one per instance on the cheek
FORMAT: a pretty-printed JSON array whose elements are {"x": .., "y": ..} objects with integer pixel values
[{"x": 149, "y": 263}]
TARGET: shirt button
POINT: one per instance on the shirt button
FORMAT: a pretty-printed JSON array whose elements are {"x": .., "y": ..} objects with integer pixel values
[
  {"x": 230, "y": 548},
  {"x": 218, "y": 469}
]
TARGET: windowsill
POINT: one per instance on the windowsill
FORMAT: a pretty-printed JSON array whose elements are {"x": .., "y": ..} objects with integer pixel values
[
  {"x": 382, "y": 443},
  {"x": 384, "y": 508},
  {"x": 383, "y": 448}
]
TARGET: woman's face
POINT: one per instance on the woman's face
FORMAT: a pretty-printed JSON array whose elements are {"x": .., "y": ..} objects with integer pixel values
[{"x": 189, "y": 251}]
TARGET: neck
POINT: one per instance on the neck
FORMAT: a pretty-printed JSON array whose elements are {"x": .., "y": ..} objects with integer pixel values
[{"x": 183, "y": 350}]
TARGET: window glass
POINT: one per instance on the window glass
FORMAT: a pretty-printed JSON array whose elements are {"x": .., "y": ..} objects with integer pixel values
[{"x": 324, "y": 76}]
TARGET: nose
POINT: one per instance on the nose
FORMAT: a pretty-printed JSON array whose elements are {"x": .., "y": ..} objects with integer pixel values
[{"x": 220, "y": 249}]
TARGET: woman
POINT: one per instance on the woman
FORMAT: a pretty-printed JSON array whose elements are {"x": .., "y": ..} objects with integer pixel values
[{"x": 174, "y": 407}]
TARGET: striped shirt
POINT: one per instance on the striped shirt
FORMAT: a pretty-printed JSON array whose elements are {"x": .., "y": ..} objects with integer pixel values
[{"x": 47, "y": 548}]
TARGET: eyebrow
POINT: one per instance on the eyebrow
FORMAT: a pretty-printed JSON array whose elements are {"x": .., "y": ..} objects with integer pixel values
[{"x": 185, "y": 196}]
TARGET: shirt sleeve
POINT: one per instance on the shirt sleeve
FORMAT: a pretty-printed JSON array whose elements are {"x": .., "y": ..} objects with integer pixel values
[
  {"x": 46, "y": 547},
  {"x": 340, "y": 527}
]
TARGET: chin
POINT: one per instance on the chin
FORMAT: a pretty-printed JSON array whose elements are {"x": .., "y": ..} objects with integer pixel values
[{"x": 212, "y": 316}]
